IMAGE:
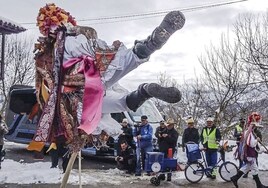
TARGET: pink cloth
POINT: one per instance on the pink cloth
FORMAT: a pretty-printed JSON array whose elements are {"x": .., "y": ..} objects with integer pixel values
[{"x": 93, "y": 93}]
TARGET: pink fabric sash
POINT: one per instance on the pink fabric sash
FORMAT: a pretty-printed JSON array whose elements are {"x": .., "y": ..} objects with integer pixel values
[{"x": 93, "y": 93}]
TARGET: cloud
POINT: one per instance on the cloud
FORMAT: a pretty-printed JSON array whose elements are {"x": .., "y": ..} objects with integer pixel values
[{"x": 178, "y": 56}]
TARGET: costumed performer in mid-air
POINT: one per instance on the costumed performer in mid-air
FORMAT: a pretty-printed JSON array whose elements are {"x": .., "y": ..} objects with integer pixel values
[{"x": 74, "y": 68}]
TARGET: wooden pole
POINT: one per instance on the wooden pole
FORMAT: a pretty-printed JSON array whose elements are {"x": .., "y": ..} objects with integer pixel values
[
  {"x": 68, "y": 170},
  {"x": 79, "y": 167},
  {"x": 2, "y": 58}
]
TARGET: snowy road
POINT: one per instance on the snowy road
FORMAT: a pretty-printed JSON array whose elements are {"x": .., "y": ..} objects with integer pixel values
[
  {"x": 144, "y": 182},
  {"x": 19, "y": 170}
]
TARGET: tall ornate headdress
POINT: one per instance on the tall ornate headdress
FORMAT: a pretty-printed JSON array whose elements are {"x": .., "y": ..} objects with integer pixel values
[
  {"x": 254, "y": 118},
  {"x": 51, "y": 16}
]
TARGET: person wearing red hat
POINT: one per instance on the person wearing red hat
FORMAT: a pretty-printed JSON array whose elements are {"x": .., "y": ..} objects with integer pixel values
[{"x": 248, "y": 154}]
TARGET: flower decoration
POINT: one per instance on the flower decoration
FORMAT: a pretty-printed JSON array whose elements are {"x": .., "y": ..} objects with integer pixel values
[
  {"x": 51, "y": 16},
  {"x": 254, "y": 117}
]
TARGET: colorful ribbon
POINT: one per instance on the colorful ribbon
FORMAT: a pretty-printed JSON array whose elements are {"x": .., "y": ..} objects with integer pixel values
[{"x": 93, "y": 92}]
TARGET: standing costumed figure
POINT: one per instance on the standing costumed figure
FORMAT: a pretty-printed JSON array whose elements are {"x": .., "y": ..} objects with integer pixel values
[
  {"x": 74, "y": 68},
  {"x": 248, "y": 154}
]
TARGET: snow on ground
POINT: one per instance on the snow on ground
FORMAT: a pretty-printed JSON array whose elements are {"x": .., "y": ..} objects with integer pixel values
[{"x": 40, "y": 172}]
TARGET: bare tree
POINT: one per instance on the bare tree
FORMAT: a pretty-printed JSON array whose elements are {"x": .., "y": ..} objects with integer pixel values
[
  {"x": 234, "y": 77},
  {"x": 252, "y": 37},
  {"x": 190, "y": 104},
  {"x": 19, "y": 65},
  {"x": 227, "y": 80}
]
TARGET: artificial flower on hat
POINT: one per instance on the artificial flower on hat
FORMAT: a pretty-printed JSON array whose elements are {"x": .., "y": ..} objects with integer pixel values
[
  {"x": 51, "y": 16},
  {"x": 254, "y": 117}
]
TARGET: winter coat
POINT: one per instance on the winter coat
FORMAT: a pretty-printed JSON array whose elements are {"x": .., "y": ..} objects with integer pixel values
[
  {"x": 146, "y": 132},
  {"x": 238, "y": 132},
  {"x": 128, "y": 135},
  {"x": 128, "y": 154},
  {"x": 160, "y": 130},
  {"x": 129, "y": 160},
  {"x": 170, "y": 141},
  {"x": 190, "y": 135},
  {"x": 217, "y": 136}
]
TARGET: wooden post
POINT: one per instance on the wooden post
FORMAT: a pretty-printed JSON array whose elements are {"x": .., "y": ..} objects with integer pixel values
[
  {"x": 2, "y": 57},
  {"x": 79, "y": 168},
  {"x": 68, "y": 170}
]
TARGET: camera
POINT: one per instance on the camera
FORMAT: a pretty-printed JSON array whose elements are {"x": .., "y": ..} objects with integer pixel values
[
  {"x": 161, "y": 132},
  {"x": 138, "y": 129},
  {"x": 136, "y": 125},
  {"x": 118, "y": 158}
]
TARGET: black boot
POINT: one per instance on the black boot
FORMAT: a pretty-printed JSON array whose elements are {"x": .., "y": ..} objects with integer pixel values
[
  {"x": 145, "y": 91},
  {"x": 236, "y": 177},
  {"x": 162, "y": 177},
  {"x": 172, "y": 22},
  {"x": 258, "y": 182},
  {"x": 169, "y": 176},
  {"x": 245, "y": 175}
]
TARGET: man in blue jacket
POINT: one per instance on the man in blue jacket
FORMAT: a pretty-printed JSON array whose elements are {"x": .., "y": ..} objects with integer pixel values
[{"x": 144, "y": 137}]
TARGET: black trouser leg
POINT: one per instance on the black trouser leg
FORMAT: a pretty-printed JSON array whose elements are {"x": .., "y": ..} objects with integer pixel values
[
  {"x": 65, "y": 160},
  {"x": 54, "y": 158},
  {"x": 258, "y": 182},
  {"x": 145, "y": 91},
  {"x": 63, "y": 153}
]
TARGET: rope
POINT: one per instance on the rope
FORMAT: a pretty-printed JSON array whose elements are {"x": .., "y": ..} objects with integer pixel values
[{"x": 131, "y": 17}]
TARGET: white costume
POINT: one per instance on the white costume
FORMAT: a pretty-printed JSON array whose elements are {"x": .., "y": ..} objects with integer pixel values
[
  {"x": 115, "y": 97},
  {"x": 124, "y": 62}
]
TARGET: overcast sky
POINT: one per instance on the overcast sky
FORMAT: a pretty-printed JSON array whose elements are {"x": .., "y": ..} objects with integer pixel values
[{"x": 178, "y": 58}]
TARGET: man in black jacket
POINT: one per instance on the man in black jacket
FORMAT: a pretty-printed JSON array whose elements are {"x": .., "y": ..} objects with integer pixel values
[
  {"x": 190, "y": 134},
  {"x": 169, "y": 138},
  {"x": 127, "y": 134},
  {"x": 127, "y": 158},
  {"x": 162, "y": 129},
  {"x": 169, "y": 141}
]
